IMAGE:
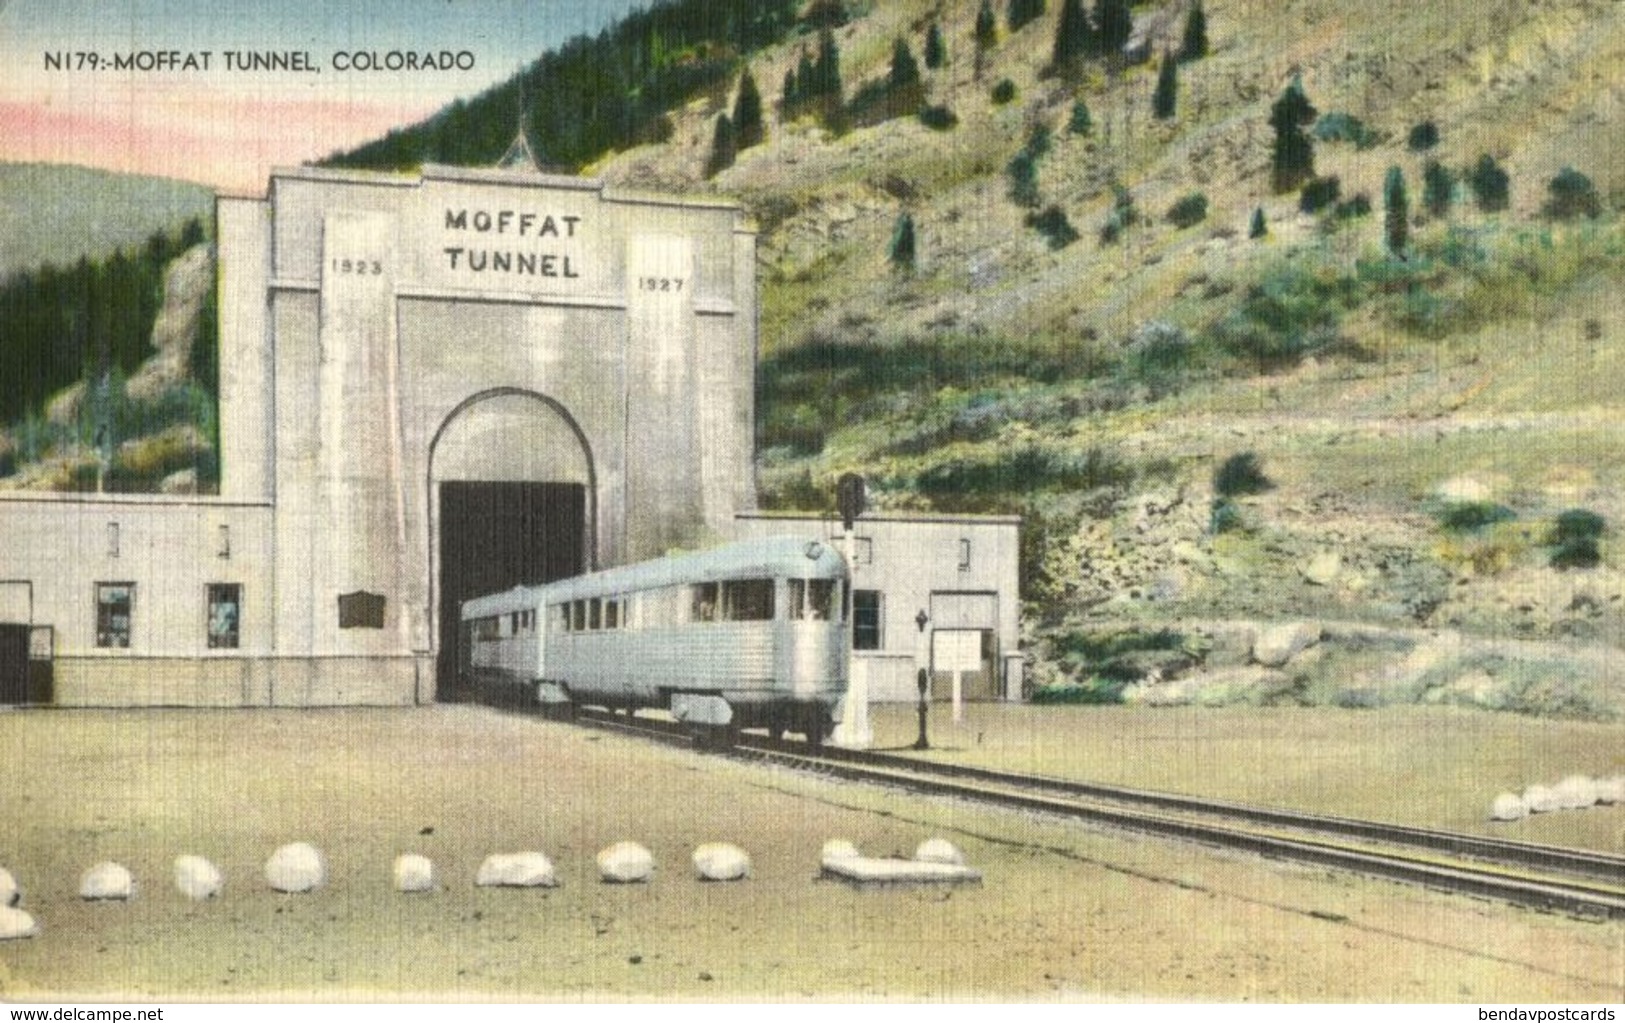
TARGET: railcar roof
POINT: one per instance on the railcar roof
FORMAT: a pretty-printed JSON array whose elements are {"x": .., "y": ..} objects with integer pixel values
[{"x": 746, "y": 559}]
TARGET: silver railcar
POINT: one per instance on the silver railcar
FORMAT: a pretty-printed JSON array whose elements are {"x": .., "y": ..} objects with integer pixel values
[{"x": 749, "y": 635}]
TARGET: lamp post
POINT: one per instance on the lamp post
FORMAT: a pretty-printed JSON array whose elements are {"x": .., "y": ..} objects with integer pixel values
[{"x": 922, "y": 679}]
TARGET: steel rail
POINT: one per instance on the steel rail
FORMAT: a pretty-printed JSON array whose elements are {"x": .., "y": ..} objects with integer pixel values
[
  {"x": 1582, "y": 862},
  {"x": 1483, "y": 867}
]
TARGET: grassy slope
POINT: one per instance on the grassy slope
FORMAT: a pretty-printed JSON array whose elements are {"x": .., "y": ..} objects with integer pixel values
[{"x": 1515, "y": 394}]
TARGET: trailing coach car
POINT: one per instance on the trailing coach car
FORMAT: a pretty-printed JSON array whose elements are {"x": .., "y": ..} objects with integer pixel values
[{"x": 750, "y": 635}]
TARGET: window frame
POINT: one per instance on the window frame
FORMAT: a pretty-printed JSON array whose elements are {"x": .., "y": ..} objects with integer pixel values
[
  {"x": 104, "y": 628},
  {"x": 859, "y": 628}
]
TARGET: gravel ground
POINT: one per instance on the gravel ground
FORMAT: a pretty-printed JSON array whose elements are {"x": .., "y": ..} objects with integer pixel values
[{"x": 1065, "y": 912}]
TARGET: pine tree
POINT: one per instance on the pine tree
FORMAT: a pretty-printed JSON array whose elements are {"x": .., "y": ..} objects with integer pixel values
[
  {"x": 724, "y": 148},
  {"x": 1490, "y": 184},
  {"x": 1397, "y": 211},
  {"x": 747, "y": 119},
  {"x": 1166, "y": 96},
  {"x": 1194, "y": 45},
  {"x": 1022, "y": 13},
  {"x": 806, "y": 77},
  {"x": 904, "y": 70},
  {"x": 1114, "y": 24},
  {"x": 1074, "y": 36},
  {"x": 987, "y": 33},
  {"x": 936, "y": 54},
  {"x": 1293, "y": 157},
  {"x": 827, "y": 72},
  {"x": 1080, "y": 123},
  {"x": 902, "y": 243},
  {"x": 1438, "y": 186},
  {"x": 1023, "y": 174}
]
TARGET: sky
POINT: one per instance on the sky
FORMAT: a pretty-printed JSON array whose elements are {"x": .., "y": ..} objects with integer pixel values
[{"x": 185, "y": 108}]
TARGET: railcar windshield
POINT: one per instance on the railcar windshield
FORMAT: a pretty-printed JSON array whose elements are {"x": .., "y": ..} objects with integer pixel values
[{"x": 812, "y": 600}]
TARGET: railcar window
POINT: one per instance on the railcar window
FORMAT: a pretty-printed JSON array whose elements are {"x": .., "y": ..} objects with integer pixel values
[
  {"x": 485, "y": 629},
  {"x": 704, "y": 604},
  {"x": 561, "y": 621},
  {"x": 612, "y": 614},
  {"x": 812, "y": 600},
  {"x": 595, "y": 613},
  {"x": 578, "y": 616},
  {"x": 748, "y": 600}
]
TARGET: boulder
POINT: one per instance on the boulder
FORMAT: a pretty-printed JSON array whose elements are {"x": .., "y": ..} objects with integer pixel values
[
  {"x": 295, "y": 868},
  {"x": 1278, "y": 644},
  {"x": 14, "y": 923},
  {"x": 1323, "y": 569},
  {"x": 626, "y": 863},
  {"x": 939, "y": 850},
  {"x": 1508, "y": 806},
  {"x": 413, "y": 873},
  {"x": 721, "y": 861},
  {"x": 1611, "y": 790},
  {"x": 197, "y": 878},
  {"x": 11, "y": 892},
  {"x": 838, "y": 849},
  {"x": 106, "y": 880},
  {"x": 516, "y": 870},
  {"x": 1541, "y": 799}
]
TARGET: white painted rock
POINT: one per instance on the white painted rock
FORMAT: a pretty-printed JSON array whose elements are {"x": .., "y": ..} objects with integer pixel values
[
  {"x": 14, "y": 923},
  {"x": 1508, "y": 806},
  {"x": 197, "y": 878},
  {"x": 297, "y": 867},
  {"x": 413, "y": 873},
  {"x": 11, "y": 892},
  {"x": 626, "y": 863},
  {"x": 516, "y": 870},
  {"x": 1611, "y": 790},
  {"x": 839, "y": 849},
  {"x": 939, "y": 850},
  {"x": 1576, "y": 792},
  {"x": 1541, "y": 799},
  {"x": 721, "y": 861},
  {"x": 106, "y": 881}
]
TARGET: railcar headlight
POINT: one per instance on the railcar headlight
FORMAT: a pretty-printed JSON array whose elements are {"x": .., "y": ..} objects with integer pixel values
[{"x": 814, "y": 550}]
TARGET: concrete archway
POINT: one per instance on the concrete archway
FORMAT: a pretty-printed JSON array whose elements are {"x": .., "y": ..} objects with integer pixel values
[{"x": 512, "y": 501}]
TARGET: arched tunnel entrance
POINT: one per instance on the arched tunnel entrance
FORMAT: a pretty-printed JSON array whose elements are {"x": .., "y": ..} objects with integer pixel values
[{"x": 511, "y": 491}]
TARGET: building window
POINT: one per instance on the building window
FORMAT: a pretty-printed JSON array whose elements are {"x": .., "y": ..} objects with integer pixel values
[
  {"x": 113, "y": 605},
  {"x": 225, "y": 614},
  {"x": 222, "y": 543},
  {"x": 964, "y": 555},
  {"x": 112, "y": 540},
  {"x": 361, "y": 610},
  {"x": 866, "y": 619}
]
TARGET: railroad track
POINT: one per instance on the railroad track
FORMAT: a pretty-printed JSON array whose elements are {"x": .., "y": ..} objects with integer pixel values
[{"x": 1552, "y": 878}]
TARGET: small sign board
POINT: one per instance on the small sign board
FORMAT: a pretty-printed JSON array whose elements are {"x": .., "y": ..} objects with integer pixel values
[{"x": 956, "y": 650}]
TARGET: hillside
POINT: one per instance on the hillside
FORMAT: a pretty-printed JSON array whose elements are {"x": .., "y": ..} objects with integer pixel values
[
  {"x": 55, "y": 213},
  {"x": 1097, "y": 388},
  {"x": 1092, "y": 333}
]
